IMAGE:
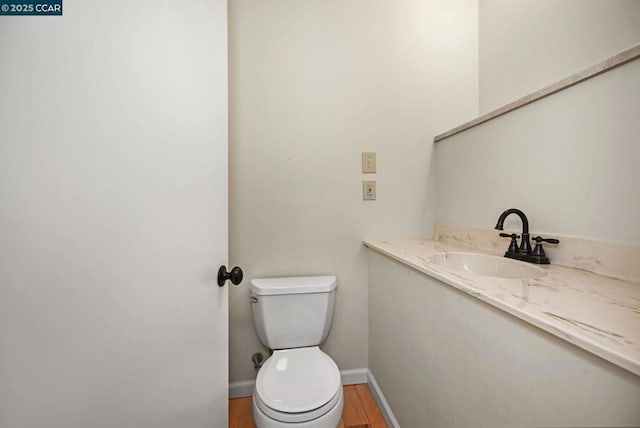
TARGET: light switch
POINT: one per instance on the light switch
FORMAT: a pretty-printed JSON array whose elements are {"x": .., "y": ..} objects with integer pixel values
[
  {"x": 369, "y": 190},
  {"x": 368, "y": 162}
]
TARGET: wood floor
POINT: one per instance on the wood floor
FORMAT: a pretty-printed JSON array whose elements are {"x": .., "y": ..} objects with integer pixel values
[{"x": 360, "y": 410}]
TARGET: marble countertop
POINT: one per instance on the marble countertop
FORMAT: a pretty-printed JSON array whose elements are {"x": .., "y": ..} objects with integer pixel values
[{"x": 596, "y": 313}]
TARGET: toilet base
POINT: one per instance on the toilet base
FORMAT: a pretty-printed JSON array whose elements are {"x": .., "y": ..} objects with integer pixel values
[{"x": 331, "y": 419}]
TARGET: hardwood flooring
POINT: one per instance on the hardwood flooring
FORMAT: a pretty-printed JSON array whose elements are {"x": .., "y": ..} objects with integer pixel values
[{"x": 360, "y": 410}]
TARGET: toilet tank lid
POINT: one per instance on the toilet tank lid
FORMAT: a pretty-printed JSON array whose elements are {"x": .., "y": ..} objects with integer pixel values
[{"x": 293, "y": 285}]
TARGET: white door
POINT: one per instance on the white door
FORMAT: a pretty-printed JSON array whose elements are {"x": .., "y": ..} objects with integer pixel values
[{"x": 113, "y": 216}]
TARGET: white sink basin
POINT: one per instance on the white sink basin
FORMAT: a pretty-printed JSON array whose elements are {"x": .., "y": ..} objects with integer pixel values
[{"x": 485, "y": 265}]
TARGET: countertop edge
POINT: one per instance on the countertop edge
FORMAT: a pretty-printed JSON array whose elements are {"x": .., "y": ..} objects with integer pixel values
[{"x": 582, "y": 342}]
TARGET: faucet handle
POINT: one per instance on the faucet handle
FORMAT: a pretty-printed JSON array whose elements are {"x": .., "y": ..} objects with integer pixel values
[
  {"x": 513, "y": 246},
  {"x": 540, "y": 239},
  {"x": 509, "y": 235},
  {"x": 538, "y": 250}
]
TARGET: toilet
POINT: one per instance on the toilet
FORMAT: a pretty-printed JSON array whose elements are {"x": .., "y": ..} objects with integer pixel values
[{"x": 298, "y": 385}]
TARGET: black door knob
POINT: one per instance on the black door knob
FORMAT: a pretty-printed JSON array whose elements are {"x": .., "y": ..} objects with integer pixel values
[{"x": 235, "y": 275}]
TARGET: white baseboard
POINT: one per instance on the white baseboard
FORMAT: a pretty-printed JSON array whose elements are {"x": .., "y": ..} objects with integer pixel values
[
  {"x": 381, "y": 401},
  {"x": 349, "y": 377},
  {"x": 241, "y": 389},
  {"x": 354, "y": 376}
]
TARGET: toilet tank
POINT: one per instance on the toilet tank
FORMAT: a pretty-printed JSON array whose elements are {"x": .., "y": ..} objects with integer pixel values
[{"x": 293, "y": 312}]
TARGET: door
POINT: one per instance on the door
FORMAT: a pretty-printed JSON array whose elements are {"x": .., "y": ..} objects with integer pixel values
[{"x": 113, "y": 216}]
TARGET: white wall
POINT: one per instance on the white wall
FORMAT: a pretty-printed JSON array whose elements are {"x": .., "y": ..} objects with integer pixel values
[
  {"x": 110, "y": 232},
  {"x": 313, "y": 83},
  {"x": 569, "y": 161},
  {"x": 528, "y": 44},
  {"x": 446, "y": 359}
]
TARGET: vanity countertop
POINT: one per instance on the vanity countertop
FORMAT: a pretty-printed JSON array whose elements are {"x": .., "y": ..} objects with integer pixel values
[{"x": 596, "y": 313}]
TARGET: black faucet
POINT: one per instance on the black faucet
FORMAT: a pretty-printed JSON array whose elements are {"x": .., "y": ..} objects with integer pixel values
[{"x": 523, "y": 252}]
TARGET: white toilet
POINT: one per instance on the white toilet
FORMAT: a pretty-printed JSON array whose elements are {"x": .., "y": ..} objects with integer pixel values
[{"x": 299, "y": 385}]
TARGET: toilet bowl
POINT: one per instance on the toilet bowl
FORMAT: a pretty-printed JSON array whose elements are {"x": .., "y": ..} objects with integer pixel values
[{"x": 299, "y": 385}]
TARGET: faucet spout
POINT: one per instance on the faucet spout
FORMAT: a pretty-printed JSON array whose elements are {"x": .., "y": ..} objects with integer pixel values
[
  {"x": 525, "y": 243},
  {"x": 503, "y": 217}
]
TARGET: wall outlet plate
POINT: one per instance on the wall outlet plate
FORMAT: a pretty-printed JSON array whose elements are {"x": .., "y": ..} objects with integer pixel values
[
  {"x": 368, "y": 162},
  {"x": 369, "y": 190}
]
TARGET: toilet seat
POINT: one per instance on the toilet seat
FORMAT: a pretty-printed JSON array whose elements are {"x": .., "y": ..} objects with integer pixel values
[
  {"x": 297, "y": 385},
  {"x": 295, "y": 418}
]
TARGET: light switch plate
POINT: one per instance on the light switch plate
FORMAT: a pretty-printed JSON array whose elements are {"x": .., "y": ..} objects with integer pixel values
[
  {"x": 369, "y": 190},
  {"x": 368, "y": 162}
]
